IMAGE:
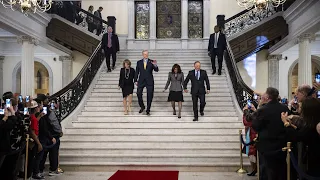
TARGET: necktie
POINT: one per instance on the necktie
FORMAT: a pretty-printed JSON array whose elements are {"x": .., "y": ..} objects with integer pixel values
[
  {"x": 216, "y": 41},
  {"x": 197, "y": 74},
  {"x": 109, "y": 40},
  {"x": 145, "y": 65}
]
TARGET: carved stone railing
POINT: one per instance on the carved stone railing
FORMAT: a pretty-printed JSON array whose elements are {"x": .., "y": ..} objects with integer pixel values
[
  {"x": 247, "y": 18},
  {"x": 70, "y": 96},
  {"x": 242, "y": 92}
]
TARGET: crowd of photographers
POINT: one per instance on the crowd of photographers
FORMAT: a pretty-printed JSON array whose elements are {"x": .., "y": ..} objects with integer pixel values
[
  {"x": 28, "y": 126},
  {"x": 272, "y": 121}
]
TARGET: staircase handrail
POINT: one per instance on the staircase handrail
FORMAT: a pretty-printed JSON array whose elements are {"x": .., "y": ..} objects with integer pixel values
[
  {"x": 250, "y": 17},
  {"x": 71, "y": 95},
  {"x": 242, "y": 91},
  {"x": 81, "y": 16}
]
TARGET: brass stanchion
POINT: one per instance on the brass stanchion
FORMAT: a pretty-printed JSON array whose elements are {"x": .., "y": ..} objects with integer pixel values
[
  {"x": 288, "y": 149},
  {"x": 258, "y": 165},
  {"x": 27, "y": 159},
  {"x": 241, "y": 170}
]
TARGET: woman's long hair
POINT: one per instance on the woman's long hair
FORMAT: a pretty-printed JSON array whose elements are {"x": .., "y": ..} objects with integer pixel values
[
  {"x": 176, "y": 66},
  {"x": 310, "y": 112}
]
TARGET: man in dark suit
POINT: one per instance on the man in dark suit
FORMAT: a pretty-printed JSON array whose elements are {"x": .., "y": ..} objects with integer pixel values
[
  {"x": 271, "y": 135},
  {"x": 144, "y": 78},
  {"x": 216, "y": 47},
  {"x": 97, "y": 22},
  {"x": 198, "y": 90},
  {"x": 110, "y": 45}
]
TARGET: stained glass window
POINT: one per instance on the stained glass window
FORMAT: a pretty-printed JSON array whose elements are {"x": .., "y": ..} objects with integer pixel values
[
  {"x": 168, "y": 18},
  {"x": 142, "y": 19},
  {"x": 195, "y": 19}
]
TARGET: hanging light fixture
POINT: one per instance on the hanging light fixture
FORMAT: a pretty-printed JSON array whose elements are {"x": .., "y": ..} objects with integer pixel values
[
  {"x": 260, "y": 4},
  {"x": 27, "y": 6}
]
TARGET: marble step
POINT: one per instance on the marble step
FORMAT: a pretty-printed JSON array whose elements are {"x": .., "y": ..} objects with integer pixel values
[
  {"x": 184, "y": 66},
  {"x": 158, "y": 74},
  {"x": 221, "y": 113},
  {"x": 98, "y": 150},
  {"x": 193, "y": 131},
  {"x": 222, "y": 87},
  {"x": 156, "y": 125},
  {"x": 171, "y": 57},
  {"x": 114, "y": 81},
  {"x": 159, "y": 99},
  {"x": 159, "y": 78},
  {"x": 168, "y": 119},
  {"x": 156, "y": 90},
  {"x": 153, "y": 145},
  {"x": 167, "y": 109},
  {"x": 156, "y": 94},
  {"x": 190, "y": 158},
  {"x": 145, "y": 138}
]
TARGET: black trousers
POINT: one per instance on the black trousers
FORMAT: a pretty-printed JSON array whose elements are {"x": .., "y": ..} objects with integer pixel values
[
  {"x": 150, "y": 89},
  {"x": 262, "y": 168},
  {"x": 276, "y": 166},
  {"x": 195, "y": 98},
  {"x": 8, "y": 169},
  {"x": 110, "y": 52},
  {"x": 99, "y": 29},
  {"x": 53, "y": 157},
  {"x": 91, "y": 27},
  {"x": 215, "y": 53}
]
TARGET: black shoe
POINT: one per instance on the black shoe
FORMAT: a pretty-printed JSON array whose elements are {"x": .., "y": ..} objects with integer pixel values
[
  {"x": 195, "y": 119},
  {"x": 113, "y": 67},
  {"x": 202, "y": 113},
  {"x": 253, "y": 173},
  {"x": 219, "y": 73},
  {"x": 109, "y": 70},
  {"x": 148, "y": 113},
  {"x": 174, "y": 113},
  {"x": 214, "y": 72},
  {"x": 38, "y": 176},
  {"x": 141, "y": 110}
]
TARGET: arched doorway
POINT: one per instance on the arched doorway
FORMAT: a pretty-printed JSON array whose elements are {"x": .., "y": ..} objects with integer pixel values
[
  {"x": 293, "y": 75},
  {"x": 42, "y": 78}
]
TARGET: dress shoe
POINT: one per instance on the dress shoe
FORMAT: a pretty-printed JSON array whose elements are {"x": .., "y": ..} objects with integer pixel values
[
  {"x": 213, "y": 72},
  {"x": 195, "y": 119},
  {"x": 202, "y": 113},
  {"x": 253, "y": 173},
  {"x": 109, "y": 70},
  {"x": 148, "y": 113},
  {"x": 141, "y": 110},
  {"x": 174, "y": 112},
  {"x": 219, "y": 73},
  {"x": 113, "y": 67},
  {"x": 179, "y": 115}
]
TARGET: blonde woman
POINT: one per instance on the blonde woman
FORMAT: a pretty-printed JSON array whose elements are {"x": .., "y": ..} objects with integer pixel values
[{"x": 126, "y": 83}]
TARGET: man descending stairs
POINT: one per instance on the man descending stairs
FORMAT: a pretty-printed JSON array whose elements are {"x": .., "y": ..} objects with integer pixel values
[{"x": 104, "y": 136}]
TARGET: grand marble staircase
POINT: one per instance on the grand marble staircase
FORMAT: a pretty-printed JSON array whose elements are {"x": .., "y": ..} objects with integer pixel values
[{"x": 103, "y": 137}]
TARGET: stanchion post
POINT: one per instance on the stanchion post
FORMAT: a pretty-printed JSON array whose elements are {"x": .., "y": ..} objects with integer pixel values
[
  {"x": 27, "y": 159},
  {"x": 288, "y": 149},
  {"x": 258, "y": 165},
  {"x": 241, "y": 170}
]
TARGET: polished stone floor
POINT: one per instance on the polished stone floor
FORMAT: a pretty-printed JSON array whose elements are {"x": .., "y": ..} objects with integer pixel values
[{"x": 182, "y": 176}]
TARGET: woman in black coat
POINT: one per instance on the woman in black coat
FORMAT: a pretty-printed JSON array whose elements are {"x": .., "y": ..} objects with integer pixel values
[{"x": 126, "y": 83}]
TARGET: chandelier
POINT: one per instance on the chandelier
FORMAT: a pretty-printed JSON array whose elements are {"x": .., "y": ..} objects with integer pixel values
[
  {"x": 27, "y": 5},
  {"x": 260, "y": 4}
]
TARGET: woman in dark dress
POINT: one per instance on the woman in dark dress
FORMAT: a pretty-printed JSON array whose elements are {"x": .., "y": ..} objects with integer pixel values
[
  {"x": 176, "y": 78},
  {"x": 126, "y": 83}
]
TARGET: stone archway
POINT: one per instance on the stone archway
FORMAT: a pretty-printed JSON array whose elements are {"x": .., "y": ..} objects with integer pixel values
[
  {"x": 45, "y": 71},
  {"x": 293, "y": 73}
]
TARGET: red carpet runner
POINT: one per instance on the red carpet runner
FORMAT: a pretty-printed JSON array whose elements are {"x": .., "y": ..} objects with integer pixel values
[{"x": 145, "y": 175}]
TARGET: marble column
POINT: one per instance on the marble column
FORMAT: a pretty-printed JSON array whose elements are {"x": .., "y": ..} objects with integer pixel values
[
  {"x": 27, "y": 64},
  {"x": 153, "y": 24},
  {"x": 206, "y": 19},
  {"x": 1, "y": 74},
  {"x": 131, "y": 20},
  {"x": 184, "y": 24},
  {"x": 273, "y": 70},
  {"x": 66, "y": 69},
  {"x": 305, "y": 69}
]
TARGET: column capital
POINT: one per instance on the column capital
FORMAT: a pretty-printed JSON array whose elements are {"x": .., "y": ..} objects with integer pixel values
[
  {"x": 31, "y": 40},
  {"x": 1, "y": 58},
  {"x": 65, "y": 58},
  {"x": 307, "y": 36},
  {"x": 276, "y": 57}
]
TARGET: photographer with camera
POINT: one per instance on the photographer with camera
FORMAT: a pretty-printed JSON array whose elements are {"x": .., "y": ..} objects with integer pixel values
[{"x": 13, "y": 130}]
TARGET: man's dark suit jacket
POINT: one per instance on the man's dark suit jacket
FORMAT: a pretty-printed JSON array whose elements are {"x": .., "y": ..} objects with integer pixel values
[
  {"x": 96, "y": 21},
  {"x": 197, "y": 86},
  {"x": 268, "y": 124},
  {"x": 143, "y": 75},
  {"x": 114, "y": 42},
  {"x": 222, "y": 44}
]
